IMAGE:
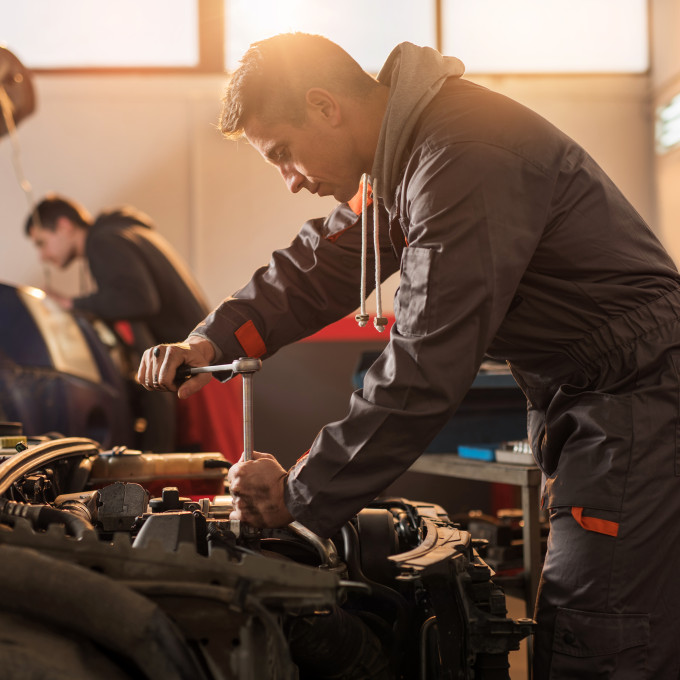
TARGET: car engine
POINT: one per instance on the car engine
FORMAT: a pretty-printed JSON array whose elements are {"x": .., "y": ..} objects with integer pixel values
[{"x": 121, "y": 564}]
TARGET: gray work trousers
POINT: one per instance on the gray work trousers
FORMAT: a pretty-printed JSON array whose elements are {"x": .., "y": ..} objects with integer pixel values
[{"x": 608, "y": 440}]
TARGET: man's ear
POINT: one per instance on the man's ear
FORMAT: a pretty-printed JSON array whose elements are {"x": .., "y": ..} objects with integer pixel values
[
  {"x": 322, "y": 103},
  {"x": 63, "y": 225}
]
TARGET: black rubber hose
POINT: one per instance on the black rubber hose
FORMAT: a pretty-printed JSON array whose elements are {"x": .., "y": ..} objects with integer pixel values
[
  {"x": 400, "y": 627},
  {"x": 41, "y": 516},
  {"x": 337, "y": 646},
  {"x": 351, "y": 547},
  {"x": 72, "y": 598}
]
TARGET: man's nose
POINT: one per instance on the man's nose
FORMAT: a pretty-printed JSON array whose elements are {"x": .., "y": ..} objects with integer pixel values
[{"x": 294, "y": 180}]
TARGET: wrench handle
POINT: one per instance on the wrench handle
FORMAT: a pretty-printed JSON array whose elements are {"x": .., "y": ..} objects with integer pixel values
[
  {"x": 247, "y": 387},
  {"x": 184, "y": 372}
]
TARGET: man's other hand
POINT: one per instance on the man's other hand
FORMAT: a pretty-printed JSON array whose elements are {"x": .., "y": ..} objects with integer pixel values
[
  {"x": 160, "y": 363},
  {"x": 64, "y": 302},
  {"x": 256, "y": 487}
]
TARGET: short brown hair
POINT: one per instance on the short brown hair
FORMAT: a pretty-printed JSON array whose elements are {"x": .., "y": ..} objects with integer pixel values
[
  {"x": 276, "y": 73},
  {"x": 51, "y": 208}
]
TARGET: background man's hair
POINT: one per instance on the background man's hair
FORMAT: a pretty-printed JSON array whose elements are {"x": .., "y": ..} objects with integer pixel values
[
  {"x": 274, "y": 75},
  {"x": 52, "y": 207}
]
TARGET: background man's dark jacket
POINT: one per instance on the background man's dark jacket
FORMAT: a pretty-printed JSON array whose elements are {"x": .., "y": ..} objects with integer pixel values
[{"x": 139, "y": 277}]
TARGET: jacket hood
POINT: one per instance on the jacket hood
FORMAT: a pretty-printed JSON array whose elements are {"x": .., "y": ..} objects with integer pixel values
[
  {"x": 414, "y": 75},
  {"x": 122, "y": 217}
]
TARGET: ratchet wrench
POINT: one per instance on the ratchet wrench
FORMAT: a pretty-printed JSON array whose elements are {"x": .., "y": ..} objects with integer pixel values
[{"x": 246, "y": 367}]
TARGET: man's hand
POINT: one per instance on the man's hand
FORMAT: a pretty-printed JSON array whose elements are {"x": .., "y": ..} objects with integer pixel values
[
  {"x": 160, "y": 363},
  {"x": 66, "y": 303},
  {"x": 257, "y": 490}
]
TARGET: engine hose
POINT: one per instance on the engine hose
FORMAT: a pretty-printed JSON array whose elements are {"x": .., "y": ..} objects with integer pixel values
[
  {"x": 82, "y": 603},
  {"x": 337, "y": 646},
  {"x": 285, "y": 664},
  {"x": 351, "y": 546},
  {"x": 41, "y": 516},
  {"x": 428, "y": 624}
]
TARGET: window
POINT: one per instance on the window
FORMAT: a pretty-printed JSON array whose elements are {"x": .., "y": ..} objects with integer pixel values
[
  {"x": 92, "y": 34},
  {"x": 547, "y": 36},
  {"x": 367, "y": 30},
  {"x": 490, "y": 36},
  {"x": 668, "y": 126}
]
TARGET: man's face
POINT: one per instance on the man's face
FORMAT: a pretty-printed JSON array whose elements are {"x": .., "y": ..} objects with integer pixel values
[
  {"x": 314, "y": 156},
  {"x": 56, "y": 247}
]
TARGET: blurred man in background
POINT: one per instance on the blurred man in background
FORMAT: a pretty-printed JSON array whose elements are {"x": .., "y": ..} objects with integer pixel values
[
  {"x": 138, "y": 276},
  {"x": 143, "y": 288}
]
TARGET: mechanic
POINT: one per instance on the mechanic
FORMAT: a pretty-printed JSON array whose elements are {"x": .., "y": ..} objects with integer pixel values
[
  {"x": 512, "y": 243},
  {"x": 138, "y": 275},
  {"x": 143, "y": 289}
]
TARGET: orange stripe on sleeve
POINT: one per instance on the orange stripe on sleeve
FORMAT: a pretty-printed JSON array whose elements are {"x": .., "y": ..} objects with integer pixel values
[
  {"x": 250, "y": 340},
  {"x": 600, "y": 526}
]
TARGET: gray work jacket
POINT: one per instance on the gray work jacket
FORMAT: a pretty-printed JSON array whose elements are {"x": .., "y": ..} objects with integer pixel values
[{"x": 511, "y": 242}]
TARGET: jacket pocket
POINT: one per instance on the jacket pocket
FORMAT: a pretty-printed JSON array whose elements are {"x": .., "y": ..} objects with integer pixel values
[
  {"x": 596, "y": 645},
  {"x": 585, "y": 448},
  {"x": 411, "y": 303}
]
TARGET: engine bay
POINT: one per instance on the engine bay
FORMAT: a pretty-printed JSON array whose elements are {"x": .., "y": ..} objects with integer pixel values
[{"x": 153, "y": 581}]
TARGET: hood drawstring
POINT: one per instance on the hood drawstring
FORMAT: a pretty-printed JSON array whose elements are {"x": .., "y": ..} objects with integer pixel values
[{"x": 379, "y": 321}]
